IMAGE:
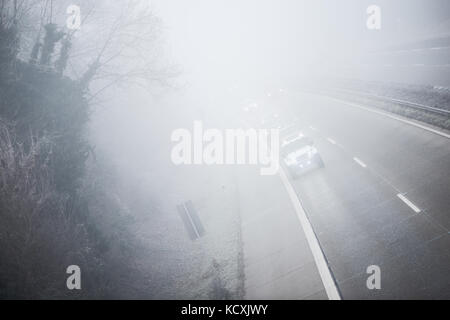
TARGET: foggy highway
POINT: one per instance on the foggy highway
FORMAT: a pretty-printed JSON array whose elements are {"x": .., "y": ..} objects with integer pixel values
[
  {"x": 381, "y": 199},
  {"x": 224, "y": 150}
]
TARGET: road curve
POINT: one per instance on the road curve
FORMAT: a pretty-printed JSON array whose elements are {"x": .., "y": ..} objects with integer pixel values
[{"x": 383, "y": 199}]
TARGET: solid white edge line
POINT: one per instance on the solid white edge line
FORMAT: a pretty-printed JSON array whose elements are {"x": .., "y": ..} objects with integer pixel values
[
  {"x": 443, "y": 134},
  {"x": 319, "y": 258},
  {"x": 409, "y": 203},
  {"x": 331, "y": 141},
  {"x": 358, "y": 161}
]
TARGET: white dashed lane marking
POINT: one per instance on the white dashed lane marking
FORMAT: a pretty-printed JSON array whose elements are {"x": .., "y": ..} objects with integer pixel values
[
  {"x": 409, "y": 203},
  {"x": 358, "y": 161},
  {"x": 331, "y": 141}
]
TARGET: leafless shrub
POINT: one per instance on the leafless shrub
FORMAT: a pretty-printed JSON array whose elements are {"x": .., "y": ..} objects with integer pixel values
[
  {"x": 37, "y": 234},
  {"x": 43, "y": 231}
]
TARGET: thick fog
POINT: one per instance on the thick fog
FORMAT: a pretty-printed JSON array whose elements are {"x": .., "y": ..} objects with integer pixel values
[
  {"x": 127, "y": 79},
  {"x": 229, "y": 53}
]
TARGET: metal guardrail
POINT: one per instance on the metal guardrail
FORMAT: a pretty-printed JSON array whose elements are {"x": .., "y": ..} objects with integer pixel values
[{"x": 409, "y": 104}]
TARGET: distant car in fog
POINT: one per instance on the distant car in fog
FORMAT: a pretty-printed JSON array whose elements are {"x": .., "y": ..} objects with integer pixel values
[
  {"x": 272, "y": 121},
  {"x": 299, "y": 154},
  {"x": 278, "y": 121},
  {"x": 289, "y": 130}
]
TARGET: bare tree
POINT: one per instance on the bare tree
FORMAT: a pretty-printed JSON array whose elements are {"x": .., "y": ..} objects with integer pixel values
[
  {"x": 119, "y": 42},
  {"x": 129, "y": 50}
]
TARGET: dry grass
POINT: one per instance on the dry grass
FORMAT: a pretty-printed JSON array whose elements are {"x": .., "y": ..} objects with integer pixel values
[{"x": 37, "y": 232}]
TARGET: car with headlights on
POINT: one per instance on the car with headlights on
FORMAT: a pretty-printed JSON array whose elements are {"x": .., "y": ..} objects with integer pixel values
[{"x": 299, "y": 154}]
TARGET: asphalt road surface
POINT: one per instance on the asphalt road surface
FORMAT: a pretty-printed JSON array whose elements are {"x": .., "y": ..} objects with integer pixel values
[
  {"x": 382, "y": 199},
  {"x": 278, "y": 261}
]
